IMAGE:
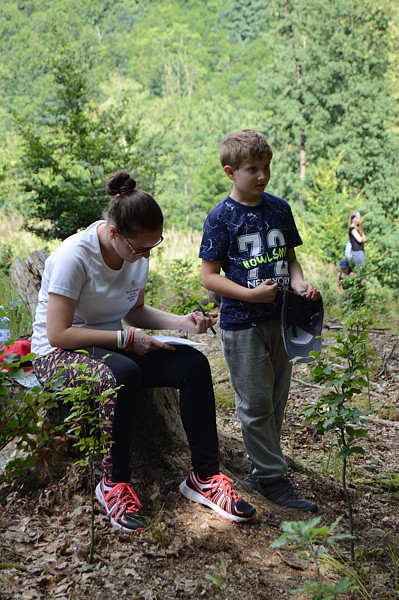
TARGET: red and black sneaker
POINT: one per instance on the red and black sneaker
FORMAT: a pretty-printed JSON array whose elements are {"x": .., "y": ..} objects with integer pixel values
[
  {"x": 216, "y": 493},
  {"x": 121, "y": 505}
]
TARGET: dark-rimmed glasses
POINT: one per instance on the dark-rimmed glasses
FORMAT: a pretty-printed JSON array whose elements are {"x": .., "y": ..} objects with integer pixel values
[{"x": 141, "y": 249}]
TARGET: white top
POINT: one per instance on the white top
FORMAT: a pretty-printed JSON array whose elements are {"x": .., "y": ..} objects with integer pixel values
[{"x": 77, "y": 270}]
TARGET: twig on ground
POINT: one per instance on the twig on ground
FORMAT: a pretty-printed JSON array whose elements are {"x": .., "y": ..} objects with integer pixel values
[
  {"x": 386, "y": 359},
  {"x": 306, "y": 383}
]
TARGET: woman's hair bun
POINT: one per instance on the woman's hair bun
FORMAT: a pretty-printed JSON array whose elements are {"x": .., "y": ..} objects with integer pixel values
[{"x": 120, "y": 183}]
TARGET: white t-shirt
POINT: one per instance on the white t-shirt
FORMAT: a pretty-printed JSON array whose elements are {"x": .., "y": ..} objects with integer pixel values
[{"x": 77, "y": 270}]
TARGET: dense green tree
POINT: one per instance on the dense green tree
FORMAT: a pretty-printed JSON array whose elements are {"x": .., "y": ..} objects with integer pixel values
[
  {"x": 329, "y": 90},
  {"x": 330, "y": 97},
  {"x": 324, "y": 212},
  {"x": 72, "y": 147},
  {"x": 244, "y": 18}
]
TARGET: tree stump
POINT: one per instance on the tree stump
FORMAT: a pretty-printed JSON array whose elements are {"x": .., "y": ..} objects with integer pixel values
[{"x": 26, "y": 276}]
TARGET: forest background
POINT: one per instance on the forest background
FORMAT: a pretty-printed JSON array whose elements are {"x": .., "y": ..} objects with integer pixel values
[{"x": 153, "y": 86}]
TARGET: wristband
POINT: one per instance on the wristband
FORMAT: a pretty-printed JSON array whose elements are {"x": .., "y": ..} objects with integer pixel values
[
  {"x": 119, "y": 339},
  {"x": 125, "y": 338}
]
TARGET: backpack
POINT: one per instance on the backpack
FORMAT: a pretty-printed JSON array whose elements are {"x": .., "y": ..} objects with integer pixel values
[{"x": 348, "y": 250}]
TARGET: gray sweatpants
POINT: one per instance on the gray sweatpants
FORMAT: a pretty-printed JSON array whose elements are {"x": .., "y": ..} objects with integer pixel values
[{"x": 260, "y": 373}]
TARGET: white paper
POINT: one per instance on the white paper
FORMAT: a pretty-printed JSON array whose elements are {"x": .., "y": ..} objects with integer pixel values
[{"x": 170, "y": 339}]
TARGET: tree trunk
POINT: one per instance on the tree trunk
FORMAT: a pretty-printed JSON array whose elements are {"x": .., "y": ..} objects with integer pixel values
[{"x": 26, "y": 276}]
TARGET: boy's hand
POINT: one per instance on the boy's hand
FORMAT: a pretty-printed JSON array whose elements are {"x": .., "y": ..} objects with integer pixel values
[
  {"x": 264, "y": 292},
  {"x": 306, "y": 289}
]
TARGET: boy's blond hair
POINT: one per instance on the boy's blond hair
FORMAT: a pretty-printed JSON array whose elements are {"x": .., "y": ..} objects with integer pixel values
[{"x": 239, "y": 146}]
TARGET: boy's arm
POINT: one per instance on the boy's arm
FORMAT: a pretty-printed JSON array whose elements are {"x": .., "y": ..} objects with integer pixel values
[
  {"x": 214, "y": 281},
  {"x": 298, "y": 284}
]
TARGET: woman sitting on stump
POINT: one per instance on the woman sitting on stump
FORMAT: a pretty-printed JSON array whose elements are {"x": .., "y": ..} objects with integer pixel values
[{"x": 92, "y": 281}]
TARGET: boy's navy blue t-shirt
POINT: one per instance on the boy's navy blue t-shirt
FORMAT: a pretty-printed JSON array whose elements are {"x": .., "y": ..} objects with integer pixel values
[{"x": 251, "y": 243}]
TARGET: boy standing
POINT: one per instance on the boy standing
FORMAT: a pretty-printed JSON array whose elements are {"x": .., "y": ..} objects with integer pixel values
[{"x": 251, "y": 236}]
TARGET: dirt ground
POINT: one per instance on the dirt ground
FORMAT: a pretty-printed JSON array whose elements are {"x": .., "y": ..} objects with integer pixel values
[{"x": 188, "y": 551}]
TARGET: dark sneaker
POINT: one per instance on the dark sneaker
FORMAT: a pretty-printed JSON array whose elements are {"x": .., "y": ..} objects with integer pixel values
[
  {"x": 280, "y": 492},
  {"x": 216, "y": 493},
  {"x": 121, "y": 505}
]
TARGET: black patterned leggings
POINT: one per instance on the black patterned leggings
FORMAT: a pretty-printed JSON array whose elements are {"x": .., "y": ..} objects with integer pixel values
[{"x": 186, "y": 369}]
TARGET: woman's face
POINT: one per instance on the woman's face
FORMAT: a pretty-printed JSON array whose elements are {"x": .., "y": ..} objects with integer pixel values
[
  {"x": 132, "y": 248},
  {"x": 356, "y": 220}
]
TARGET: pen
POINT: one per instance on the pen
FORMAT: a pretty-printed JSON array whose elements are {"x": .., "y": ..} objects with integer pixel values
[{"x": 203, "y": 312}]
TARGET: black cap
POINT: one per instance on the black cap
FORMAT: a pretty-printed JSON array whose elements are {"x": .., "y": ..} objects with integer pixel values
[{"x": 301, "y": 325}]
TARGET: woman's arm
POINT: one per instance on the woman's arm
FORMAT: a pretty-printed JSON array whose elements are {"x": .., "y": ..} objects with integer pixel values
[
  {"x": 147, "y": 317},
  {"x": 358, "y": 234},
  {"x": 61, "y": 334}
]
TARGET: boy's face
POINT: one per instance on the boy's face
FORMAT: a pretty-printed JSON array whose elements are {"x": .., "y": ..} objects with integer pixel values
[{"x": 250, "y": 179}]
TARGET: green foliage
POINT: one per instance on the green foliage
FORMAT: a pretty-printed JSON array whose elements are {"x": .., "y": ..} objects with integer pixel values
[
  {"x": 344, "y": 372},
  {"x": 327, "y": 96},
  {"x": 158, "y": 531},
  {"x": 184, "y": 285},
  {"x": 361, "y": 298},
  {"x": 67, "y": 153},
  {"x": 317, "y": 78},
  {"x": 6, "y": 257},
  {"x": 244, "y": 18},
  {"x": 315, "y": 541},
  {"x": 24, "y": 418},
  {"x": 21, "y": 419},
  {"x": 326, "y": 209},
  {"x": 217, "y": 579}
]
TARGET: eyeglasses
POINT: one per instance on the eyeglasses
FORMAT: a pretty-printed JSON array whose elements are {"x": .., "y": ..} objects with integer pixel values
[{"x": 141, "y": 249}]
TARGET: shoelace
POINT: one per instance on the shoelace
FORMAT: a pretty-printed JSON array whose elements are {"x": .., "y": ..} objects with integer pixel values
[
  {"x": 125, "y": 498},
  {"x": 222, "y": 481}
]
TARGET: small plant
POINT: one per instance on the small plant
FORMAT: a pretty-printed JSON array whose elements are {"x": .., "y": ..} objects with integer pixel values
[
  {"x": 308, "y": 537},
  {"x": 359, "y": 299},
  {"x": 21, "y": 419},
  {"x": 83, "y": 422},
  {"x": 344, "y": 374},
  {"x": 394, "y": 558},
  {"x": 217, "y": 579},
  {"x": 158, "y": 530}
]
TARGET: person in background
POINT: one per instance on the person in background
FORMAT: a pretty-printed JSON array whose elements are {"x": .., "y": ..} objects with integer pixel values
[
  {"x": 94, "y": 280},
  {"x": 251, "y": 235},
  {"x": 357, "y": 238},
  {"x": 344, "y": 270}
]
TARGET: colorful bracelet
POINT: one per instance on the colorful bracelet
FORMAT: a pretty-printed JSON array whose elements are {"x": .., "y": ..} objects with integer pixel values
[{"x": 130, "y": 340}]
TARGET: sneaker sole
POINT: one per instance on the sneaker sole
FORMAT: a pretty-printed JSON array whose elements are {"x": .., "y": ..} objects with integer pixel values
[
  {"x": 199, "y": 499},
  {"x": 101, "y": 501}
]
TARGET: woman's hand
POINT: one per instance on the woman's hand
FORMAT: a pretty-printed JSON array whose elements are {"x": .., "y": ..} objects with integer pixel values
[
  {"x": 196, "y": 322},
  {"x": 144, "y": 343}
]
